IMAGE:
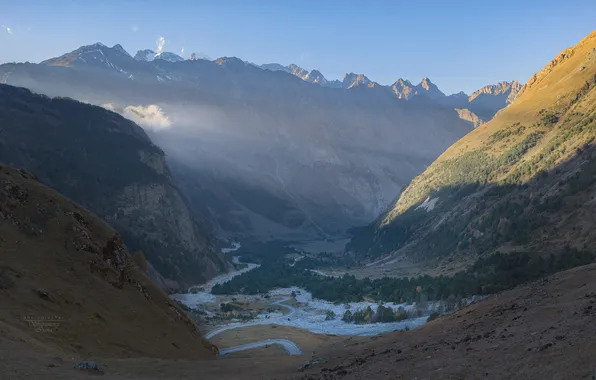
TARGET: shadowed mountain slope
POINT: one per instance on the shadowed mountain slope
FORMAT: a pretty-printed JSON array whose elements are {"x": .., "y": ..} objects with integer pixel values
[{"x": 108, "y": 164}]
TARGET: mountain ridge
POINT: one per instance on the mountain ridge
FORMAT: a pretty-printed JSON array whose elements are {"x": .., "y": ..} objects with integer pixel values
[{"x": 484, "y": 102}]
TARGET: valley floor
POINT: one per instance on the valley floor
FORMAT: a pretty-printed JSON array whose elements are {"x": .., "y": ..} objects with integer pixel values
[{"x": 541, "y": 330}]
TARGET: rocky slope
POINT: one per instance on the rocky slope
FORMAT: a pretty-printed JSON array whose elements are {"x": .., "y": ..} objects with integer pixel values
[
  {"x": 538, "y": 330},
  {"x": 488, "y": 100},
  {"x": 522, "y": 182},
  {"x": 108, "y": 164},
  {"x": 67, "y": 283},
  {"x": 542, "y": 330}
]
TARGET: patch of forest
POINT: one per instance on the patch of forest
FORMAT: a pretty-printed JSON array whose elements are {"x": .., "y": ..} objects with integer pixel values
[{"x": 488, "y": 275}]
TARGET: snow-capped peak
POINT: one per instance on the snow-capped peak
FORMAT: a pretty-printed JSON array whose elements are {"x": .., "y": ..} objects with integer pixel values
[
  {"x": 170, "y": 57},
  {"x": 149, "y": 55},
  {"x": 119, "y": 48},
  {"x": 146, "y": 55}
]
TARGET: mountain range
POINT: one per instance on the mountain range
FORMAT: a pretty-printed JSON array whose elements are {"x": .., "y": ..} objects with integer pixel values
[
  {"x": 483, "y": 103},
  {"x": 270, "y": 152}
]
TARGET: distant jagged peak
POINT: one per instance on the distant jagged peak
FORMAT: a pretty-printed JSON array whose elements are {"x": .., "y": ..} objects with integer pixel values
[
  {"x": 230, "y": 61},
  {"x": 403, "y": 88},
  {"x": 427, "y": 84},
  {"x": 198, "y": 56},
  {"x": 352, "y": 79},
  {"x": 315, "y": 76},
  {"x": 146, "y": 55},
  {"x": 149, "y": 55},
  {"x": 430, "y": 88},
  {"x": 403, "y": 83},
  {"x": 170, "y": 57},
  {"x": 497, "y": 88},
  {"x": 119, "y": 48},
  {"x": 275, "y": 67},
  {"x": 94, "y": 54},
  {"x": 461, "y": 93},
  {"x": 298, "y": 71},
  {"x": 99, "y": 45}
]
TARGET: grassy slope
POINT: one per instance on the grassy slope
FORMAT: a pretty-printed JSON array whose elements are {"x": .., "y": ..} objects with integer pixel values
[
  {"x": 553, "y": 89},
  {"x": 56, "y": 261},
  {"x": 492, "y": 182}
]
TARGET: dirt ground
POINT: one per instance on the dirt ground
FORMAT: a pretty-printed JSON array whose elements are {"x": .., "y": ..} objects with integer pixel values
[
  {"x": 542, "y": 330},
  {"x": 306, "y": 340}
]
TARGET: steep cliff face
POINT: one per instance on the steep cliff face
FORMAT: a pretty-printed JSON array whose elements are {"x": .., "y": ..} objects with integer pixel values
[{"x": 108, "y": 164}]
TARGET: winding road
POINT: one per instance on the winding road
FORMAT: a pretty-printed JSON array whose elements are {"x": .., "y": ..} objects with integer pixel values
[
  {"x": 290, "y": 347},
  {"x": 292, "y": 310}
]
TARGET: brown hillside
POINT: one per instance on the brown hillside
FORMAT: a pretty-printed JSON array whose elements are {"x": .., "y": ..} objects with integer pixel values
[
  {"x": 543, "y": 330},
  {"x": 66, "y": 280}
]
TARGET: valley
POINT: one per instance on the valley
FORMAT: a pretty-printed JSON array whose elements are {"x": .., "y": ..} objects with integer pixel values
[{"x": 171, "y": 216}]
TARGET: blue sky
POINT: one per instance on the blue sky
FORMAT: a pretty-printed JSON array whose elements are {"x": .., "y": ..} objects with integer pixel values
[{"x": 459, "y": 45}]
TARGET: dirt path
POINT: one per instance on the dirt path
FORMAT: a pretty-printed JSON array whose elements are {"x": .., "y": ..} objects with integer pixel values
[
  {"x": 292, "y": 310},
  {"x": 541, "y": 330},
  {"x": 290, "y": 347}
]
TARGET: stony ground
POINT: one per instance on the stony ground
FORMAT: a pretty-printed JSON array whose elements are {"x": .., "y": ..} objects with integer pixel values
[{"x": 543, "y": 330}]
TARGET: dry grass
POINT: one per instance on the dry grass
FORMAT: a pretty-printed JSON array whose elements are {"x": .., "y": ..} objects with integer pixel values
[
  {"x": 306, "y": 340},
  {"x": 554, "y": 88},
  {"x": 52, "y": 253}
]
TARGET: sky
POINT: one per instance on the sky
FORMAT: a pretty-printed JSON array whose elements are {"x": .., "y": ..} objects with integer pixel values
[{"x": 460, "y": 45}]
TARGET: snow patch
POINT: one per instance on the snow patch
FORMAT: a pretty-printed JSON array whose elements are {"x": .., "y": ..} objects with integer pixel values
[{"x": 428, "y": 204}]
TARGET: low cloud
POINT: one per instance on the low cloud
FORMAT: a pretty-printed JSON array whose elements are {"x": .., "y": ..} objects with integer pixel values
[
  {"x": 160, "y": 43},
  {"x": 182, "y": 52},
  {"x": 150, "y": 117},
  {"x": 134, "y": 28},
  {"x": 8, "y": 29}
]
